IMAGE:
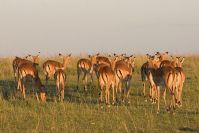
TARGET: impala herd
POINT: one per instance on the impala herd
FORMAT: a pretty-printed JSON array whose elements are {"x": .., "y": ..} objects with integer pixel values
[{"x": 113, "y": 72}]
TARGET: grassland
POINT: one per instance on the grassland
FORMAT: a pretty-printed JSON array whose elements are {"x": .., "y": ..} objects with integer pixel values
[{"x": 80, "y": 112}]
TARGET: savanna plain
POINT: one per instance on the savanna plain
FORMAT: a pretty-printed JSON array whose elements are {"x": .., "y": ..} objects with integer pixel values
[{"x": 81, "y": 113}]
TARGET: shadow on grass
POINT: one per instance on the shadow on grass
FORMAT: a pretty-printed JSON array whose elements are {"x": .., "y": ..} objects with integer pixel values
[
  {"x": 72, "y": 94},
  {"x": 187, "y": 129},
  {"x": 7, "y": 88},
  {"x": 8, "y": 91}
]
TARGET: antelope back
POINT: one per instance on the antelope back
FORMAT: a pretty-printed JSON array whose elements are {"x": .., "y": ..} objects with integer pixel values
[
  {"x": 106, "y": 75},
  {"x": 98, "y": 68},
  {"x": 103, "y": 60},
  {"x": 84, "y": 64},
  {"x": 27, "y": 70},
  {"x": 164, "y": 76}
]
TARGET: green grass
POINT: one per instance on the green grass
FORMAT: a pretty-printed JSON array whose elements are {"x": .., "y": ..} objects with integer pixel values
[{"x": 81, "y": 112}]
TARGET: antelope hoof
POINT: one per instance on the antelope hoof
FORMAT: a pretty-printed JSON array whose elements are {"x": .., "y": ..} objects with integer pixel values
[
  {"x": 108, "y": 105},
  {"x": 179, "y": 104},
  {"x": 123, "y": 101},
  {"x": 168, "y": 110},
  {"x": 158, "y": 112},
  {"x": 153, "y": 102}
]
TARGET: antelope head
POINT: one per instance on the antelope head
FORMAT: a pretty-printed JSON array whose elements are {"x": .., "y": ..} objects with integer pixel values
[
  {"x": 43, "y": 93},
  {"x": 65, "y": 59},
  {"x": 162, "y": 56},
  {"x": 180, "y": 61},
  {"x": 35, "y": 58}
]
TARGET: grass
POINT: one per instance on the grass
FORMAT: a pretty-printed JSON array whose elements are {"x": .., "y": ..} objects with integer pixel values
[{"x": 81, "y": 112}]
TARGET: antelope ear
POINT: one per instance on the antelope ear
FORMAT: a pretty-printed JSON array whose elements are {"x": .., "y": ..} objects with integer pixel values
[
  {"x": 60, "y": 54},
  {"x": 167, "y": 52},
  {"x": 148, "y": 56},
  {"x": 123, "y": 54},
  {"x": 27, "y": 56},
  {"x": 115, "y": 54},
  {"x": 38, "y": 54},
  {"x": 157, "y": 53},
  {"x": 89, "y": 56},
  {"x": 69, "y": 55},
  {"x": 178, "y": 58},
  {"x": 183, "y": 58},
  {"x": 98, "y": 54},
  {"x": 131, "y": 55}
]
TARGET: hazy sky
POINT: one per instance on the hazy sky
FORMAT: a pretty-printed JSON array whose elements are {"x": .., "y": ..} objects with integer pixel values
[{"x": 81, "y": 26}]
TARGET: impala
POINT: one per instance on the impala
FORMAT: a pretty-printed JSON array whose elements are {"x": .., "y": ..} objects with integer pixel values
[
  {"x": 106, "y": 78},
  {"x": 153, "y": 62},
  {"x": 180, "y": 79},
  {"x": 84, "y": 66},
  {"x": 144, "y": 73},
  {"x": 176, "y": 63},
  {"x": 165, "y": 77},
  {"x": 49, "y": 66},
  {"x": 60, "y": 78},
  {"x": 19, "y": 61},
  {"x": 28, "y": 70},
  {"x": 123, "y": 70}
]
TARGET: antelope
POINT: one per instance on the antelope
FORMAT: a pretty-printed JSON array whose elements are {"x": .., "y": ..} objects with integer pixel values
[
  {"x": 176, "y": 63},
  {"x": 151, "y": 63},
  {"x": 19, "y": 61},
  {"x": 144, "y": 73},
  {"x": 123, "y": 71},
  {"x": 60, "y": 79},
  {"x": 165, "y": 77},
  {"x": 106, "y": 78},
  {"x": 180, "y": 79},
  {"x": 16, "y": 62},
  {"x": 84, "y": 66},
  {"x": 49, "y": 66},
  {"x": 28, "y": 70}
]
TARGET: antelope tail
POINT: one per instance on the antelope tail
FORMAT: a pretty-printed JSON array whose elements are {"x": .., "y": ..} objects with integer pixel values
[{"x": 170, "y": 81}]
